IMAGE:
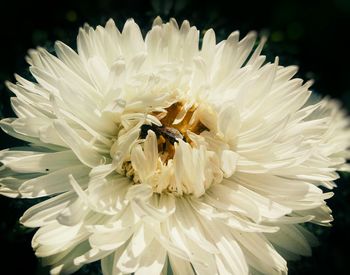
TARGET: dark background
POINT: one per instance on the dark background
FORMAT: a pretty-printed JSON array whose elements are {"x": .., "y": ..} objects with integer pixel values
[{"x": 311, "y": 34}]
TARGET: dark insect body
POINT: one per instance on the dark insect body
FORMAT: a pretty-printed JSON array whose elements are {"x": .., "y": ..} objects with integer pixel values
[{"x": 168, "y": 133}]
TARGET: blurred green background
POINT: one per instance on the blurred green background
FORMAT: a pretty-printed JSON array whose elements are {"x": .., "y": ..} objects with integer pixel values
[{"x": 311, "y": 34}]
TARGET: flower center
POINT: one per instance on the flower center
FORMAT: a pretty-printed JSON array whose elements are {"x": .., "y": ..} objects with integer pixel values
[
  {"x": 173, "y": 129},
  {"x": 179, "y": 155}
]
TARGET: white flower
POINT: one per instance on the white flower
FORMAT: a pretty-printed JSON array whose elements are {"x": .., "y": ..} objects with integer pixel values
[{"x": 155, "y": 153}]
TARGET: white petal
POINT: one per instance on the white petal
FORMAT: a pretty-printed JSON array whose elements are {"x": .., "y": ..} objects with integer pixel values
[
  {"x": 267, "y": 207},
  {"x": 145, "y": 161},
  {"x": 231, "y": 253},
  {"x": 55, "y": 182},
  {"x": 108, "y": 196},
  {"x": 180, "y": 266},
  {"x": 140, "y": 240},
  {"x": 65, "y": 264},
  {"x": 79, "y": 146},
  {"x": 191, "y": 226},
  {"x": 263, "y": 250},
  {"x": 291, "y": 239},
  {"x": 111, "y": 240},
  {"x": 153, "y": 261},
  {"x": 73, "y": 214},
  {"x": 46, "y": 211},
  {"x": 108, "y": 264},
  {"x": 70, "y": 58},
  {"x": 228, "y": 162},
  {"x": 229, "y": 122},
  {"x": 91, "y": 256},
  {"x": 38, "y": 162}
]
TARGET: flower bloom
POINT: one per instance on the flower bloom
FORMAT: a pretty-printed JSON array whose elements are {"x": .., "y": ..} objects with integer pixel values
[{"x": 155, "y": 153}]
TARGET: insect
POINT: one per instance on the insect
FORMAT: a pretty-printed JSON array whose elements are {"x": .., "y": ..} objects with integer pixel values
[{"x": 170, "y": 134}]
